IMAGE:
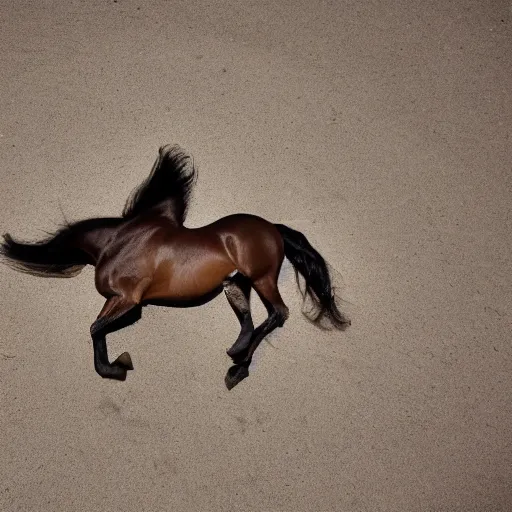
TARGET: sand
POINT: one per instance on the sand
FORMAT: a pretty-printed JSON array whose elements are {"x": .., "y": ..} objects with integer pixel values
[{"x": 380, "y": 130}]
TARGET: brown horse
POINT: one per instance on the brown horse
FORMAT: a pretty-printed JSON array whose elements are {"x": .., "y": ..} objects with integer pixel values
[{"x": 148, "y": 256}]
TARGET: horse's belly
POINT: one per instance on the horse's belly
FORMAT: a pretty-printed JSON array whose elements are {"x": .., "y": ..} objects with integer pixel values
[{"x": 186, "y": 282}]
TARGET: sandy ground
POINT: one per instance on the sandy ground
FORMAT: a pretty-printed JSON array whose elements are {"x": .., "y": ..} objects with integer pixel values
[{"x": 380, "y": 130}]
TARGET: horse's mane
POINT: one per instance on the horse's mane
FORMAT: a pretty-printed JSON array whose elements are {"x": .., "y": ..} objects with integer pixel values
[{"x": 169, "y": 186}]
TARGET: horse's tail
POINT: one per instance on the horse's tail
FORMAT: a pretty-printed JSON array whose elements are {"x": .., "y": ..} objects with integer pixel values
[
  {"x": 308, "y": 262},
  {"x": 59, "y": 255}
]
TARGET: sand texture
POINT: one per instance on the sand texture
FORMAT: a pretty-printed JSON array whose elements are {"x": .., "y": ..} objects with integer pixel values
[{"x": 379, "y": 129}]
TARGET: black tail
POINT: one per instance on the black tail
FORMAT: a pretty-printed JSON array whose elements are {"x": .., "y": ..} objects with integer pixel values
[
  {"x": 169, "y": 186},
  {"x": 58, "y": 255},
  {"x": 308, "y": 262}
]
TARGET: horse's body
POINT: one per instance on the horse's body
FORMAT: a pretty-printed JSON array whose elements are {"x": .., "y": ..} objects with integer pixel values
[
  {"x": 153, "y": 259},
  {"x": 149, "y": 256}
]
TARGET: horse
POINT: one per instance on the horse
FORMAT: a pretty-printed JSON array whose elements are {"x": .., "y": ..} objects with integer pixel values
[{"x": 148, "y": 256}]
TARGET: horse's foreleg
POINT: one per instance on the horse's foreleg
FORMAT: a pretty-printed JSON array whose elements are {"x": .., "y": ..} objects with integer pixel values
[
  {"x": 114, "y": 315},
  {"x": 277, "y": 315},
  {"x": 237, "y": 289}
]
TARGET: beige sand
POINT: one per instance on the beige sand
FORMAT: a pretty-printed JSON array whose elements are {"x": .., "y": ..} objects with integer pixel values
[{"x": 379, "y": 129}]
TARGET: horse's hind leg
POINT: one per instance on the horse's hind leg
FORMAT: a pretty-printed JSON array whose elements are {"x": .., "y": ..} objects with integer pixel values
[
  {"x": 237, "y": 289},
  {"x": 277, "y": 314},
  {"x": 118, "y": 312}
]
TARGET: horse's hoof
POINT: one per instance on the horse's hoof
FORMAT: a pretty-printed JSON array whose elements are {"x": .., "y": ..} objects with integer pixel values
[
  {"x": 114, "y": 373},
  {"x": 238, "y": 359},
  {"x": 120, "y": 375},
  {"x": 235, "y": 375},
  {"x": 124, "y": 361}
]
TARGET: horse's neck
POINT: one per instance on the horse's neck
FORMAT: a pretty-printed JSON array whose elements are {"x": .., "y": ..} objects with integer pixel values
[
  {"x": 94, "y": 240},
  {"x": 94, "y": 237},
  {"x": 167, "y": 209}
]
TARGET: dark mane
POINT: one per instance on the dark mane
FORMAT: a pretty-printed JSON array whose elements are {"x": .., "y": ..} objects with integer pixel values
[{"x": 169, "y": 186}]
